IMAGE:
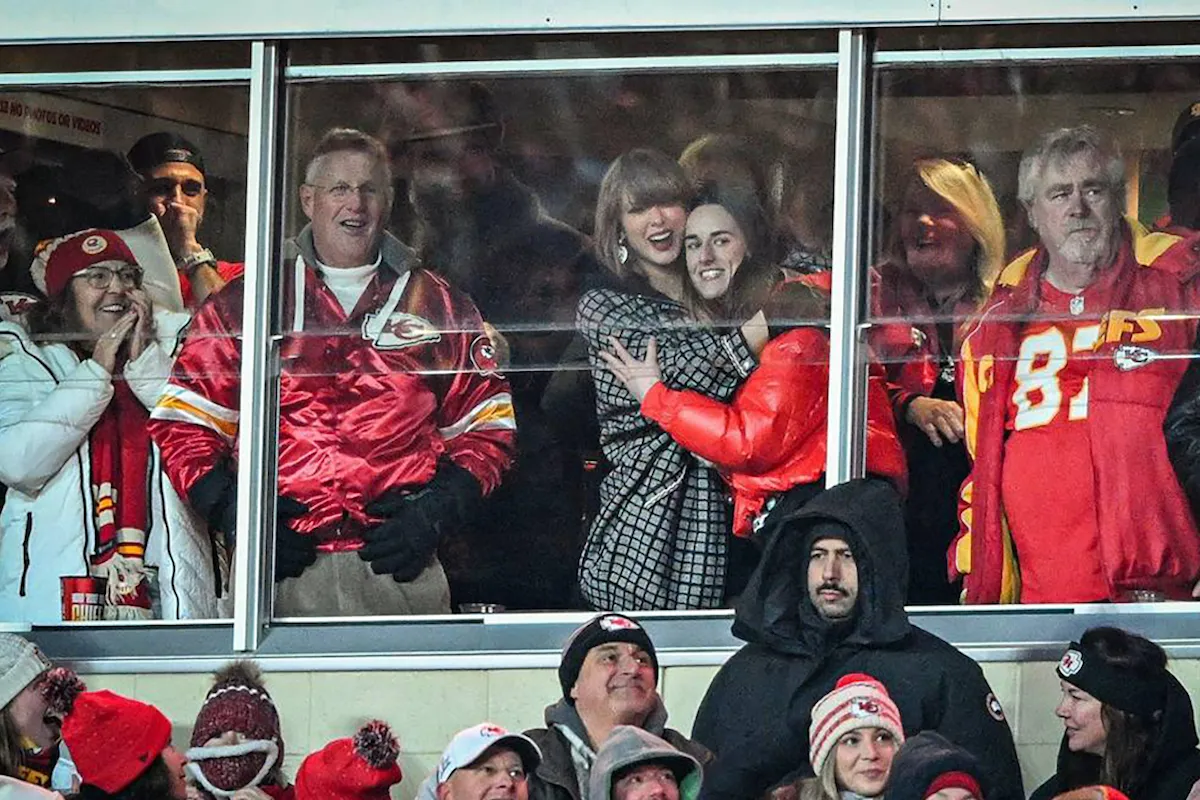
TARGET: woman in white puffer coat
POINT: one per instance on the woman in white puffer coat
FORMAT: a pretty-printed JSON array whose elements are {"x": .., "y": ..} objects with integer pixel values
[{"x": 87, "y": 494}]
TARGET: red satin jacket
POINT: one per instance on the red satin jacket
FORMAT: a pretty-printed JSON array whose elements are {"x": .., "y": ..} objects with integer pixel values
[
  {"x": 367, "y": 402},
  {"x": 771, "y": 436}
]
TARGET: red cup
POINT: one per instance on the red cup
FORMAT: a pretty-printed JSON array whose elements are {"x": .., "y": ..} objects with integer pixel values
[{"x": 83, "y": 598}]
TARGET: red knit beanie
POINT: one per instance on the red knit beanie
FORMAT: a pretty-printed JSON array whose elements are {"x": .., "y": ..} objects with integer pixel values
[
  {"x": 362, "y": 768},
  {"x": 955, "y": 780},
  {"x": 239, "y": 703},
  {"x": 113, "y": 739},
  {"x": 75, "y": 253}
]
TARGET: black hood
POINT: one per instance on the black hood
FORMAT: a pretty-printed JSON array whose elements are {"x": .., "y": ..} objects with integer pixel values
[
  {"x": 1175, "y": 740},
  {"x": 775, "y": 610},
  {"x": 924, "y": 758}
]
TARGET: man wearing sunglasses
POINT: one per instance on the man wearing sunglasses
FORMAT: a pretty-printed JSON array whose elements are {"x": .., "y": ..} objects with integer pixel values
[{"x": 172, "y": 172}]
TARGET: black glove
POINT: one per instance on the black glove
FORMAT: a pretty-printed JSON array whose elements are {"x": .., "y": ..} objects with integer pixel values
[
  {"x": 414, "y": 520},
  {"x": 294, "y": 552},
  {"x": 214, "y": 498}
]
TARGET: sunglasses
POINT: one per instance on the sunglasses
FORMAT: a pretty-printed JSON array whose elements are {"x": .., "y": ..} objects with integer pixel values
[{"x": 162, "y": 187}]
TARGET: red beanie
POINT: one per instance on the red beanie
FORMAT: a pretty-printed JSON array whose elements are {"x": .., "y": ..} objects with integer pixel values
[
  {"x": 362, "y": 768},
  {"x": 113, "y": 739},
  {"x": 955, "y": 780},
  {"x": 77, "y": 252}
]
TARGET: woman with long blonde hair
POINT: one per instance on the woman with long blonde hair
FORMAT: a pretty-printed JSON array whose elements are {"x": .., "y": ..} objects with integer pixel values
[{"x": 947, "y": 249}]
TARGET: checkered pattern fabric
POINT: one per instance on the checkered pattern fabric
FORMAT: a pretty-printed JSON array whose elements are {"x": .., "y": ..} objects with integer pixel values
[{"x": 658, "y": 541}]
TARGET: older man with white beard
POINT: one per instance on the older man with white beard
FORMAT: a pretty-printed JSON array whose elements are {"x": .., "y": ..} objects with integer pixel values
[{"x": 1067, "y": 377}]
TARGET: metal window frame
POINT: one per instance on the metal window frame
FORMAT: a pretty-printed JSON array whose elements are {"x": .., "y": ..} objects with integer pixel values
[{"x": 532, "y": 640}]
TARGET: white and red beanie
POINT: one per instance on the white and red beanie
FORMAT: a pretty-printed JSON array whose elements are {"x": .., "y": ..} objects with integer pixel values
[
  {"x": 238, "y": 703},
  {"x": 59, "y": 260},
  {"x": 858, "y": 701},
  {"x": 361, "y": 768}
]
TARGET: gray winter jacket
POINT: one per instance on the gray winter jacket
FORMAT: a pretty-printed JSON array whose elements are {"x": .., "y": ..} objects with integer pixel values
[
  {"x": 628, "y": 746},
  {"x": 558, "y": 776}
]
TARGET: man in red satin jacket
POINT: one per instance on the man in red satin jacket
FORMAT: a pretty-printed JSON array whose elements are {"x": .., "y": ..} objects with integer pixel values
[{"x": 394, "y": 421}]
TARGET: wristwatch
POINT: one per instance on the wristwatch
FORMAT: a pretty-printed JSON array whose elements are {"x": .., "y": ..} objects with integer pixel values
[{"x": 187, "y": 265}]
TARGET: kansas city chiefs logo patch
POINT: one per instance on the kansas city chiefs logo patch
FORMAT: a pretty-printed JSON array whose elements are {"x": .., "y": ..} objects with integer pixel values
[
  {"x": 1071, "y": 663},
  {"x": 864, "y": 707},
  {"x": 94, "y": 245},
  {"x": 398, "y": 331},
  {"x": 483, "y": 356},
  {"x": 1129, "y": 357},
  {"x": 615, "y": 623}
]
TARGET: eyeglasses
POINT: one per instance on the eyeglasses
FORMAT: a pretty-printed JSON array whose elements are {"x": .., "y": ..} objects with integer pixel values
[
  {"x": 102, "y": 277},
  {"x": 343, "y": 190},
  {"x": 161, "y": 187}
]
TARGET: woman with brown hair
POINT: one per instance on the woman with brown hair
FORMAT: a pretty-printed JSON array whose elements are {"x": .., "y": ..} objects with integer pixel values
[
  {"x": 658, "y": 540},
  {"x": 86, "y": 493},
  {"x": 769, "y": 440},
  {"x": 947, "y": 249},
  {"x": 1128, "y": 721}
]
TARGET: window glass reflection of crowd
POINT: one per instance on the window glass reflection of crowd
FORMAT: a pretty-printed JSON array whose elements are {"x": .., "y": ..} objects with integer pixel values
[{"x": 492, "y": 203}]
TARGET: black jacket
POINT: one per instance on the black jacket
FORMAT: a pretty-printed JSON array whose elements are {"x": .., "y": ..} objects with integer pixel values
[
  {"x": 1182, "y": 431},
  {"x": 1174, "y": 765},
  {"x": 756, "y": 714}
]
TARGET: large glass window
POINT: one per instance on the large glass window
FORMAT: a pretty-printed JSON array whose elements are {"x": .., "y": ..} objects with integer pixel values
[
  {"x": 1031, "y": 293},
  {"x": 471, "y": 375},
  {"x": 121, "y": 209}
]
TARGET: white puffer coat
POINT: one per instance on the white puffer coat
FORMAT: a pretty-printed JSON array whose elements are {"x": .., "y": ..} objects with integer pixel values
[{"x": 49, "y": 401}]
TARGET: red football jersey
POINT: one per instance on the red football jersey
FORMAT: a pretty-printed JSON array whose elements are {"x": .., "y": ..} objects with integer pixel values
[{"x": 1048, "y": 480}]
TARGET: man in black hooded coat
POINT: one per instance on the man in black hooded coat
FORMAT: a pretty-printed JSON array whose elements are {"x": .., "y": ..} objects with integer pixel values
[{"x": 756, "y": 714}]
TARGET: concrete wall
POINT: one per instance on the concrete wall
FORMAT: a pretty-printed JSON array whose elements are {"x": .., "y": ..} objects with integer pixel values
[{"x": 427, "y": 708}]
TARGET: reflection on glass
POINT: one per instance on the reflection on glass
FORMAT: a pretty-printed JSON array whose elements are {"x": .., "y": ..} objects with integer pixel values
[
  {"x": 495, "y": 188},
  {"x": 91, "y": 315},
  {"x": 1057, "y": 369}
]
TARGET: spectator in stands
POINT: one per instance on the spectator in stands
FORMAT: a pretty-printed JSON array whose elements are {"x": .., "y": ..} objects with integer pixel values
[
  {"x": 122, "y": 749},
  {"x": 659, "y": 539},
  {"x": 172, "y": 171},
  {"x": 1183, "y": 181},
  {"x": 394, "y": 421},
  {"x": 74, "y": 394},
  {"x": 930, "y": 767},
  {"x": 1070, "y": 368},
  {"x": 483, "y": 762},
  {"x": 362, "y": 767},
  {"x": 236, "y": 742},
  {"x": 487, "y": 233},
  {"x": 17, "y": 293},
  {"x": 34, "y": 695},
  {"x": 1128, "y": 720},
  {"x": 854, "y": 735},
  {"x": 769, "y": 441},
  {"x": 845, "y": 615},
  {"x": 609, "y": 677},
  {"x": 634, "y": 764},
  {"x": 947, "y": 251}
]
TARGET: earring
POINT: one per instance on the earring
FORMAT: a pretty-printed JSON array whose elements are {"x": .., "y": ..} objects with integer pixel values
[{"x": 622, "y": 250}]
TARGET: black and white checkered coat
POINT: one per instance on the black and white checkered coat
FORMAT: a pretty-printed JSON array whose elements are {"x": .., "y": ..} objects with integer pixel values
[{"x": 658, "y": 541}]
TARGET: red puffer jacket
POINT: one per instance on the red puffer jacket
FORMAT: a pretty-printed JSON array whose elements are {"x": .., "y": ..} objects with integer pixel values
[{"x": 771, "y": 437}]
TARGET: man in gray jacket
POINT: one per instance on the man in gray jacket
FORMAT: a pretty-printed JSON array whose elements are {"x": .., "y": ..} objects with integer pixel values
[
  {"x": 609, "y": 678},
  {"x": 637, "y": 765}
]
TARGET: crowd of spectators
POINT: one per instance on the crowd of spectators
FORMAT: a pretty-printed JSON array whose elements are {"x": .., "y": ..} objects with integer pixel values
[
  {"x": 508, "y": 413},
  {"x": 844, "y": 734}
]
